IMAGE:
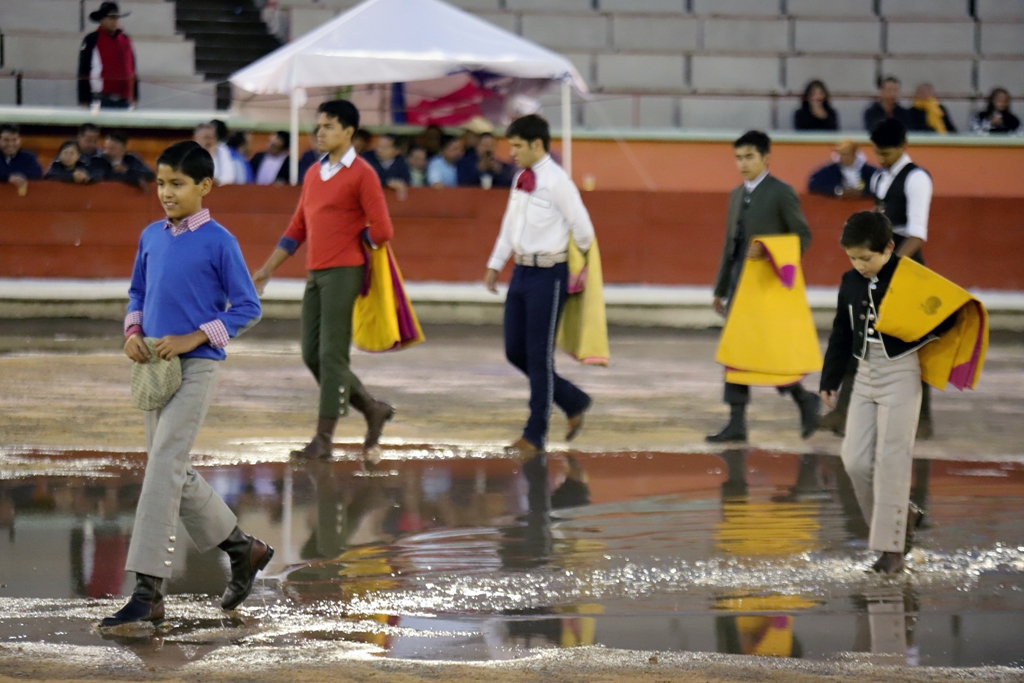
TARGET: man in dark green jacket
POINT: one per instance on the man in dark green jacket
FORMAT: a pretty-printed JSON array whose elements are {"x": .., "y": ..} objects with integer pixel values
[{"x": 762, "y": 205}]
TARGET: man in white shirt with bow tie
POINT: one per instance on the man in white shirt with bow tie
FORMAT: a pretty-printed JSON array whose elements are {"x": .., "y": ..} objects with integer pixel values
[{"x": 544, "y": 209}]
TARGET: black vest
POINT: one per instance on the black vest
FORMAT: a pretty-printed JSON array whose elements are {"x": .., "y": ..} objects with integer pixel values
[{"x": 894, "y": 206}]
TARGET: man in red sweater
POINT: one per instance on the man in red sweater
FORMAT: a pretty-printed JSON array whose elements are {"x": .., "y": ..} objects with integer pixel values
[{"x": 341, "y": 208}]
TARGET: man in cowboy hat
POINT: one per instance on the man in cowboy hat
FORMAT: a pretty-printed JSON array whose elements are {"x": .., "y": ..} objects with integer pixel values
[{"x": 106, "y": 62}]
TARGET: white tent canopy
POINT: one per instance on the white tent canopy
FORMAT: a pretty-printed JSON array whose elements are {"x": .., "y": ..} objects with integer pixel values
[{"x": 398, "y": 41}]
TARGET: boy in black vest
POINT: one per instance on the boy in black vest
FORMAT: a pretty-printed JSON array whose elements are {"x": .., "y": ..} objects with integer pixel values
[{"x": 902, "y": 191}]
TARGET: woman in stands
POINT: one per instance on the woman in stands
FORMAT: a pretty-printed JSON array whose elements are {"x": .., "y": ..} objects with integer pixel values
[
  {"x": 816, "y": 112},
  {"x": 996, "y": 117}
]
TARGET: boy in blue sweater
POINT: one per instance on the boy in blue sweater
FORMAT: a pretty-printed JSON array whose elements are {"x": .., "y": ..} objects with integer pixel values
[{"x": 190, "y": 293}]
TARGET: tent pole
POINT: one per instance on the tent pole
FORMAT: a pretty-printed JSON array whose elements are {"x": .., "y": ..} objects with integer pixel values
[
  {"x": 567, "y": 127},
  {"x": 293, "y": 152}
]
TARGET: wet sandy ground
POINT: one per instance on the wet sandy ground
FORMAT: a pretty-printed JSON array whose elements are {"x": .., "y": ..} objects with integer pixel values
[
  {"x": 672, "y": 542},
  {"x": 662, "y": 391}
]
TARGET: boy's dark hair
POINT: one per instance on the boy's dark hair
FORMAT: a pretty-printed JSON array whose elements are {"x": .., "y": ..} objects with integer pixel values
[
  {"x": 10, "y": 128},
  {"x": 88, "y": 128},
  {"x": 868, "y": 229},
  {"x": 757, "y": 139},
  {"x": 69, "y": 143},
  {"x": 889, "y": 133},
  {"x": 531, "y": 127},
  {"x": 189, "y": 158},
  {"x": 888, "y": 79},
  {"x": 118, "y": 136},
  {"x": 220, "y": 129},
  {"x": 285, "y": 136},
  {"x": 343, "y": 110}
]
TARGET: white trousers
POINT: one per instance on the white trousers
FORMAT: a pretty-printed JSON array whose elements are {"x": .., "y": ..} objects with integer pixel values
[
  {"x": 171, "y": 488},
  {"x": 881, "y": 424}
]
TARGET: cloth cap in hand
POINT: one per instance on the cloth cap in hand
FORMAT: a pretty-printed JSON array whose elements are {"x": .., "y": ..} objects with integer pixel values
[{"x": 155, "y": 382}]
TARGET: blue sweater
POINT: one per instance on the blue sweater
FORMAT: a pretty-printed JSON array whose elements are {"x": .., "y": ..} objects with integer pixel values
[{"x": 180, "y": 283}]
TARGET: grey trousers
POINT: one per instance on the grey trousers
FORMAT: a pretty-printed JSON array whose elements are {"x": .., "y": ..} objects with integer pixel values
[
  {"x": 878, "y": 449},
  {"x": 171, "y": 488}
]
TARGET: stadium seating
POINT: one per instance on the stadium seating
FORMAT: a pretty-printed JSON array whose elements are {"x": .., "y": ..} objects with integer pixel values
[
  {"x": 42, "y": 38},
  {"x": 652, "y": 62}
]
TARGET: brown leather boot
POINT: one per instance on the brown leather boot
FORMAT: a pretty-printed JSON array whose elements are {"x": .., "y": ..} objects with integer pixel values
[
  {"x": 249, "y": 556},
  {"x": 523, "y": 450},
  {"x": 321, "y": 447},
  {"x": 377, "y": 414}
]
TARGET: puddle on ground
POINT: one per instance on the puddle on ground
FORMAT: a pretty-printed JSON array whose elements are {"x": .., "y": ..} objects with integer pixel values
[{"x": 436, "y": 555}]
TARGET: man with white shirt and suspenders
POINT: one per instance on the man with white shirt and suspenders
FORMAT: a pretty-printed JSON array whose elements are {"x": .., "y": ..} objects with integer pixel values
[
  {"x": 902, "y": 191},
  {"x": 543, "y": 211}
]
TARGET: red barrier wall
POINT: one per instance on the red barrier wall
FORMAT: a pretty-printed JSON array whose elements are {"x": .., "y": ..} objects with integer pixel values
[{"x": 66, "y": 231}]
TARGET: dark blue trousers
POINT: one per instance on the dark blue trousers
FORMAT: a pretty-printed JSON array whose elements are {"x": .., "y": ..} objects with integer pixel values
[{"x": 536, "y": 297}]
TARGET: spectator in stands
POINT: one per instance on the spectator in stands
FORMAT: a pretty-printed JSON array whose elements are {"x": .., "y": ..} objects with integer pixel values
[
  {"x": 238, "y": 144},
  {"x": 125, "y": 167},
  {"x": 431, "y": 140},
  {"x": 223, "y": 164},
  {"x": 887, "y": 106},
  {"x": 482, "y": 168},
  {"x": 310, "y": 157},
  {"x": 91, "y": 153},
  {"x": 68, "y": 166},
  {"x": 846, "y": 177},
  {"x": 816, "y": 112},
  {"x": 417, "y": 167},
  {"x": 271, "y": 167},
  {"x": 361, "y": 140},
  {"x": 996, "y": 117},
  {"x": 927, "y": 115},
  {"x": 106, "y": 62},
  {"x": 391, "y": 167},
  {"x": 17, "y": 165},
  {"x": 442, "y": 171}
]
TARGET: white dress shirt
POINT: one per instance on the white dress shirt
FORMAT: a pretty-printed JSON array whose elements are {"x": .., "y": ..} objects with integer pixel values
[
  {"x": 224, "y": 166},
  {"x": 541, "y": 221},
  {"x": 270, "y": 166},
  {"x": 329, "y": 170},
  {"x": 918, "y": 189},
  {"x": 750, "y": 185}
]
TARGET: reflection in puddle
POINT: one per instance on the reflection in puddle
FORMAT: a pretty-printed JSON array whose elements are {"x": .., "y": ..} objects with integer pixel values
[{"x": 436, "y": 556}]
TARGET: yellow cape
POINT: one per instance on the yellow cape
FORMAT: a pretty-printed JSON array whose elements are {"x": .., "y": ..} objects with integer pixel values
[
  {"x": 583, "y": 332},
  {"x": 769, "y": 337},
  {"x": 916, "y": 302},
  {"x": 383, "y": 318}
]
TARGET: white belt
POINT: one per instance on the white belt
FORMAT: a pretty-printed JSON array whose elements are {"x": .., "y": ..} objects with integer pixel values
[{"x": 540, "y": 260}]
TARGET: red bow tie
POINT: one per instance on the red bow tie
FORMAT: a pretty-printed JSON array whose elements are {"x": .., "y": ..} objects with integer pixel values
[{"x": 527, "y": 181}]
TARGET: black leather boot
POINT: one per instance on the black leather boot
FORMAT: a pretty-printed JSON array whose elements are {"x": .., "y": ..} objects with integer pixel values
[
  {"x": 915, "y": 516},
  {"x": 809, "y": 404},
  {"x": 248, "y": 556},
  {"x": 322, "y": 446},
  {"x": 377, "y": 413},
  {"x": 736, "y": 430},
  {"x": 888, "y": 563},
  {"x": 145, "y": 604}
]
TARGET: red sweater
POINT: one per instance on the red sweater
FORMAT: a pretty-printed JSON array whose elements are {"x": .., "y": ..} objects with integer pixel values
[{"x": 332, "y": 215}]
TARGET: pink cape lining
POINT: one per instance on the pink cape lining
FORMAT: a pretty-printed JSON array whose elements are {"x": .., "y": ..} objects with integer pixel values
[{"x": 962, "y": 375}]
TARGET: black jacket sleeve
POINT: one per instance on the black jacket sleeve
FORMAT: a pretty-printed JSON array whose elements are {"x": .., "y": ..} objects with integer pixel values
[
  {"x": 825, "y": 180},
  {"x": 840, "y": 345},
  {"x": 84, "y": 68},
  {"x": 283, "y": 173}
]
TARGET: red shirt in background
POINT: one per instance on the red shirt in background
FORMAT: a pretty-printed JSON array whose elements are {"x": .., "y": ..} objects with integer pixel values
[{"x": 333, "y": 213}]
